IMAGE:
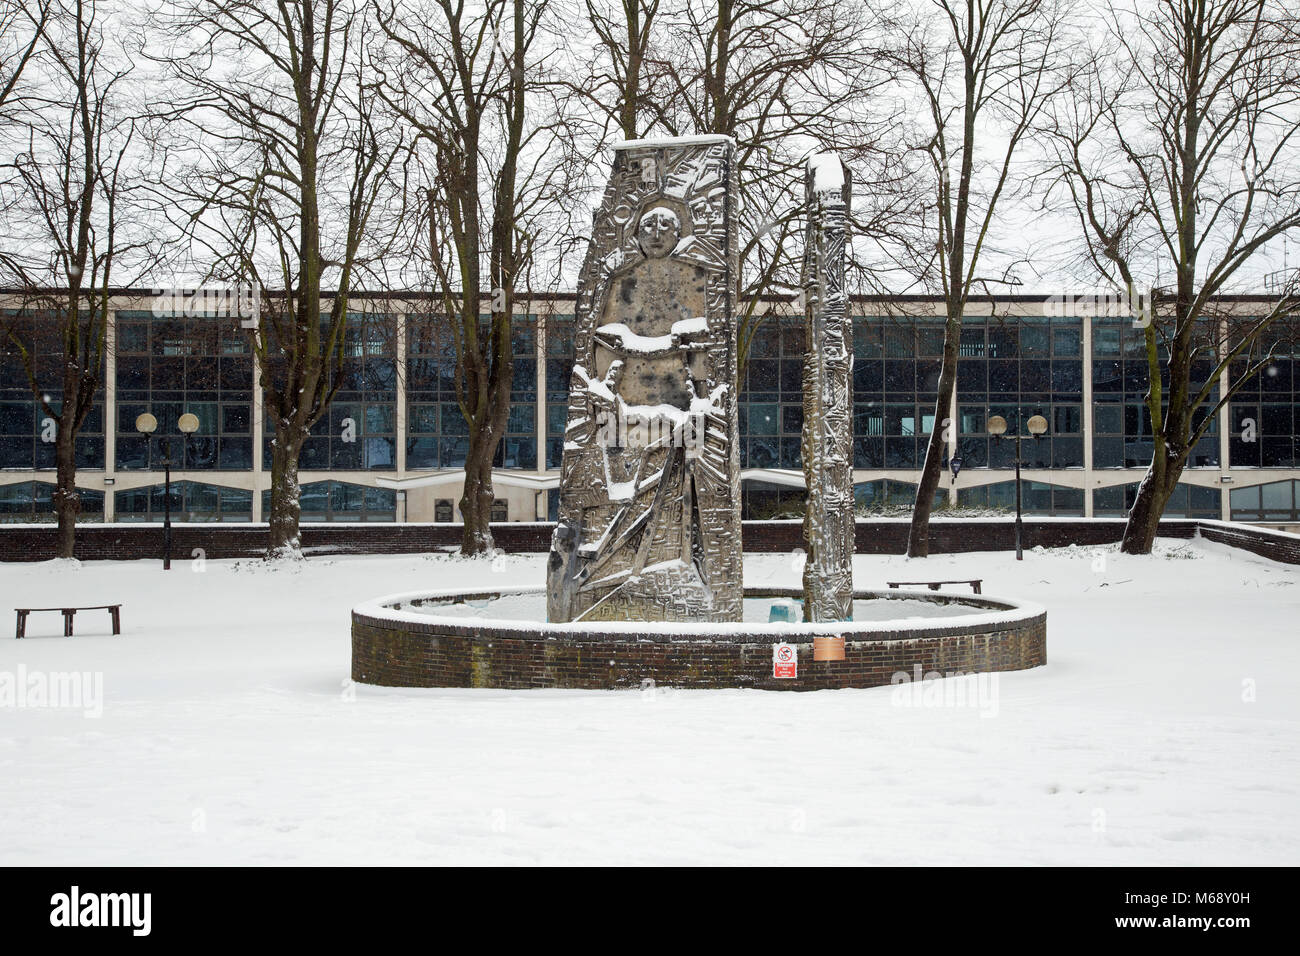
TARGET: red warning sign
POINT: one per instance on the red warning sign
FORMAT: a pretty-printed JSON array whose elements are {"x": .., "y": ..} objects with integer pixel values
[{"x": 785, "y": 660}]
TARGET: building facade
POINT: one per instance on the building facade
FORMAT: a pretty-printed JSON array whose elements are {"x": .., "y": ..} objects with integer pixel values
[{"x": 393, "y": 444}]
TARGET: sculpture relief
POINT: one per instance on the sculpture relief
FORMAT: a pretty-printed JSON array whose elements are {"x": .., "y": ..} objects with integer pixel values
[
  {"x": 828, "y": 397},
  {"x": 649, "y": 523}
]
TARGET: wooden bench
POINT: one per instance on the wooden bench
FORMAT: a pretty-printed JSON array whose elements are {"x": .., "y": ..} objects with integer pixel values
[
  {"x": 68, "y": 613},
  {"x": 975, "y": 584}
]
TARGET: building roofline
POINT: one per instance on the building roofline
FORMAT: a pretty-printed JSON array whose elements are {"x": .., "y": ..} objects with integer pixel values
[{"x": 417, "y": 295}]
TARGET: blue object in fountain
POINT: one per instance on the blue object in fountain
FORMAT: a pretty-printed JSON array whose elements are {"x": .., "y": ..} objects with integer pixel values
[{"x": 782, "y": 612}]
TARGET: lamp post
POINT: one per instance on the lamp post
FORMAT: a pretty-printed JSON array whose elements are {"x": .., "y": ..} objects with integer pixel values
[
  {"x": 146, "y": 425},
  {"x": 997, "y": 427}
]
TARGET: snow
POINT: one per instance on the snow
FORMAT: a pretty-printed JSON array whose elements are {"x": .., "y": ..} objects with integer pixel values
[
  {"x": 230, "y": 734},
  {"x": 637, "y": 344},
  {"x": 670, "y": 142},
  {"x": 630, "y": 341},
  {"x": 530, "y": 607},
  {"x": 828, "y": 172},
  {"x": 895, "y": 613},
  {"x": 697, "y": 325},
  {"x": 593, "y": 385}
]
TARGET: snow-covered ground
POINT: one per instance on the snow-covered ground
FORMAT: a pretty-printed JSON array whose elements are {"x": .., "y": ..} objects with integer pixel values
[{"x": 1163, "y": 731}]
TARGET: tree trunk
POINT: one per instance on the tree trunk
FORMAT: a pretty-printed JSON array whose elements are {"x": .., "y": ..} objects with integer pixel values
[
  {"x": 1152, "y": 496},
  {"x": 286, "y": 508},
  {"x": 67, "y": 501},
  {"x": 918, "y": 536},
  {"x": 476, "y": 502}
]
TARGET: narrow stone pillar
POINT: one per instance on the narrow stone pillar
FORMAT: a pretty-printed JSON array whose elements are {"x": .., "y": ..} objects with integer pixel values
[{"x": 827, "y": 396}]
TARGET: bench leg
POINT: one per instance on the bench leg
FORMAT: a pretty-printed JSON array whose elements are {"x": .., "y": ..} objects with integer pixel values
[
  {"x": 975, "y": 586},
  {"x": 117, "y": 621},
  {"x": 22, "y": 626},
  {"x": 933, "y": 587},
  {"x": 67, "y": 621}
]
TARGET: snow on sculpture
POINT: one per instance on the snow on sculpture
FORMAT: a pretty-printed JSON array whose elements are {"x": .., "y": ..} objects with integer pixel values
[
  {"x": 827, "y": 396},
  {"x": 649, "y": 522}
]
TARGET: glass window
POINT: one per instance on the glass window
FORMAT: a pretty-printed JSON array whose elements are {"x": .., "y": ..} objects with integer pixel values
[
  {"x": 929, "y": 339},
  {"x": 761, "y": 500},
  {"x": 868, "y": 452},
  {"x": 1034, "y": 340},
  {"x": 184, "y": 367},
  {"x": 1004, "y": 340},
  {"x": 763, "y": 419},
  {"x": 33, "y": 501},
  {"x": 972, "y": 377},
  {"x": 190, "y": 501},
  {"x": 1276, "y": 500},
  {"x": 764, "y": 375},
  {"x": 1067, "y": 342},
  {"x": 1067, "y": 419},
  {"x": 869, "y": 419},
  {"x": 772, "y": 403},
  {"x": 889, "y": 497},
  {"x": 868, "y": 376},
  {"x": 1107, "y": 452},
  {"x": 1004, "y": 377},
  {"x": 1106, "y": 338},
  {"x": 28, "y": 431},
  {"x": 900, "y": 339},
  {"x": 867, "y": 338},
  {"x": 900, "y": 377},
  {"x": 341, "y": 501},
  {"x": 972, "y": 341},
  {"x": 1244, "y": 503},
  {"x": 1108, "y": 419},
  {"x": 765, "y": 341}
]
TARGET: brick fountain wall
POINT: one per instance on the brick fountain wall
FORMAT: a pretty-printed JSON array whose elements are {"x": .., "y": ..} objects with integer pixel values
[{"x": 451, "y": 652}]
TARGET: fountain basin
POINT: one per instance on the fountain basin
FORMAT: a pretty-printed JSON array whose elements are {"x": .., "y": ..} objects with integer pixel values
[{"x": 468, "y": 638}]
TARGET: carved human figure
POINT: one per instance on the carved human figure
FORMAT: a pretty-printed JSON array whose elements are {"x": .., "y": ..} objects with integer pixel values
[
  {"x": 641, "y": 306},
  {"x": 649, "y": 521},
  {"x": 649, "y": 346}
]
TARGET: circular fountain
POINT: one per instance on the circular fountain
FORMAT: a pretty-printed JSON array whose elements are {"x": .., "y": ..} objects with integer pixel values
[
  {"x": 644, "y": 578},
  {"x": 499, "y": 638}
]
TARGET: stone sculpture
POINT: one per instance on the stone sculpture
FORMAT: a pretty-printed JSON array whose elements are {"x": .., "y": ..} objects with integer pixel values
[
  {"x": 828, "y": 396},
  {"x": 649, "y": 522}
]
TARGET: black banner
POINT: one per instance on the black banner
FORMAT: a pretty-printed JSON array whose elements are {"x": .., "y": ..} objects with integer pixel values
[{"x": 1153, "y": 906}]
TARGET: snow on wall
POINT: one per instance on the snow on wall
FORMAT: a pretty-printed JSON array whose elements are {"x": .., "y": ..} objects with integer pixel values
[{"x": 1004, "y": 612}]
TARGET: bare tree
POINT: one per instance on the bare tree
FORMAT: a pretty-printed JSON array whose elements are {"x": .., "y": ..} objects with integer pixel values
[
  {"x": 1179, "y": 155},
  {"x": 279, "y": 165},
  {"x": 64, "y": 190},
  {"x": 22, "y": 26},
  {"x": 613, "y": 81},
  {"x": 784, "y": 78},
  {"x": 484, "y": 169},
  {"x": 982, "y": 72}
]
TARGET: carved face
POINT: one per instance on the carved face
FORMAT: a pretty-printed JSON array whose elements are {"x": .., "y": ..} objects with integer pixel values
[{"x": 658, "y": 232}]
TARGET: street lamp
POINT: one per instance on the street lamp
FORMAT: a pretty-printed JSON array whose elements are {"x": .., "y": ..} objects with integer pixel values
[
  {"x": 146, "y": 425},
  {"x": 997, "y": 427}
]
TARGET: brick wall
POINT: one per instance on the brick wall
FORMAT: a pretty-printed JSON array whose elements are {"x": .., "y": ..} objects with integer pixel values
[
  {"x": 125, "y": 542},
  {"x": 441, "y": 654},
  {"x": 1278, "y": 546}
]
